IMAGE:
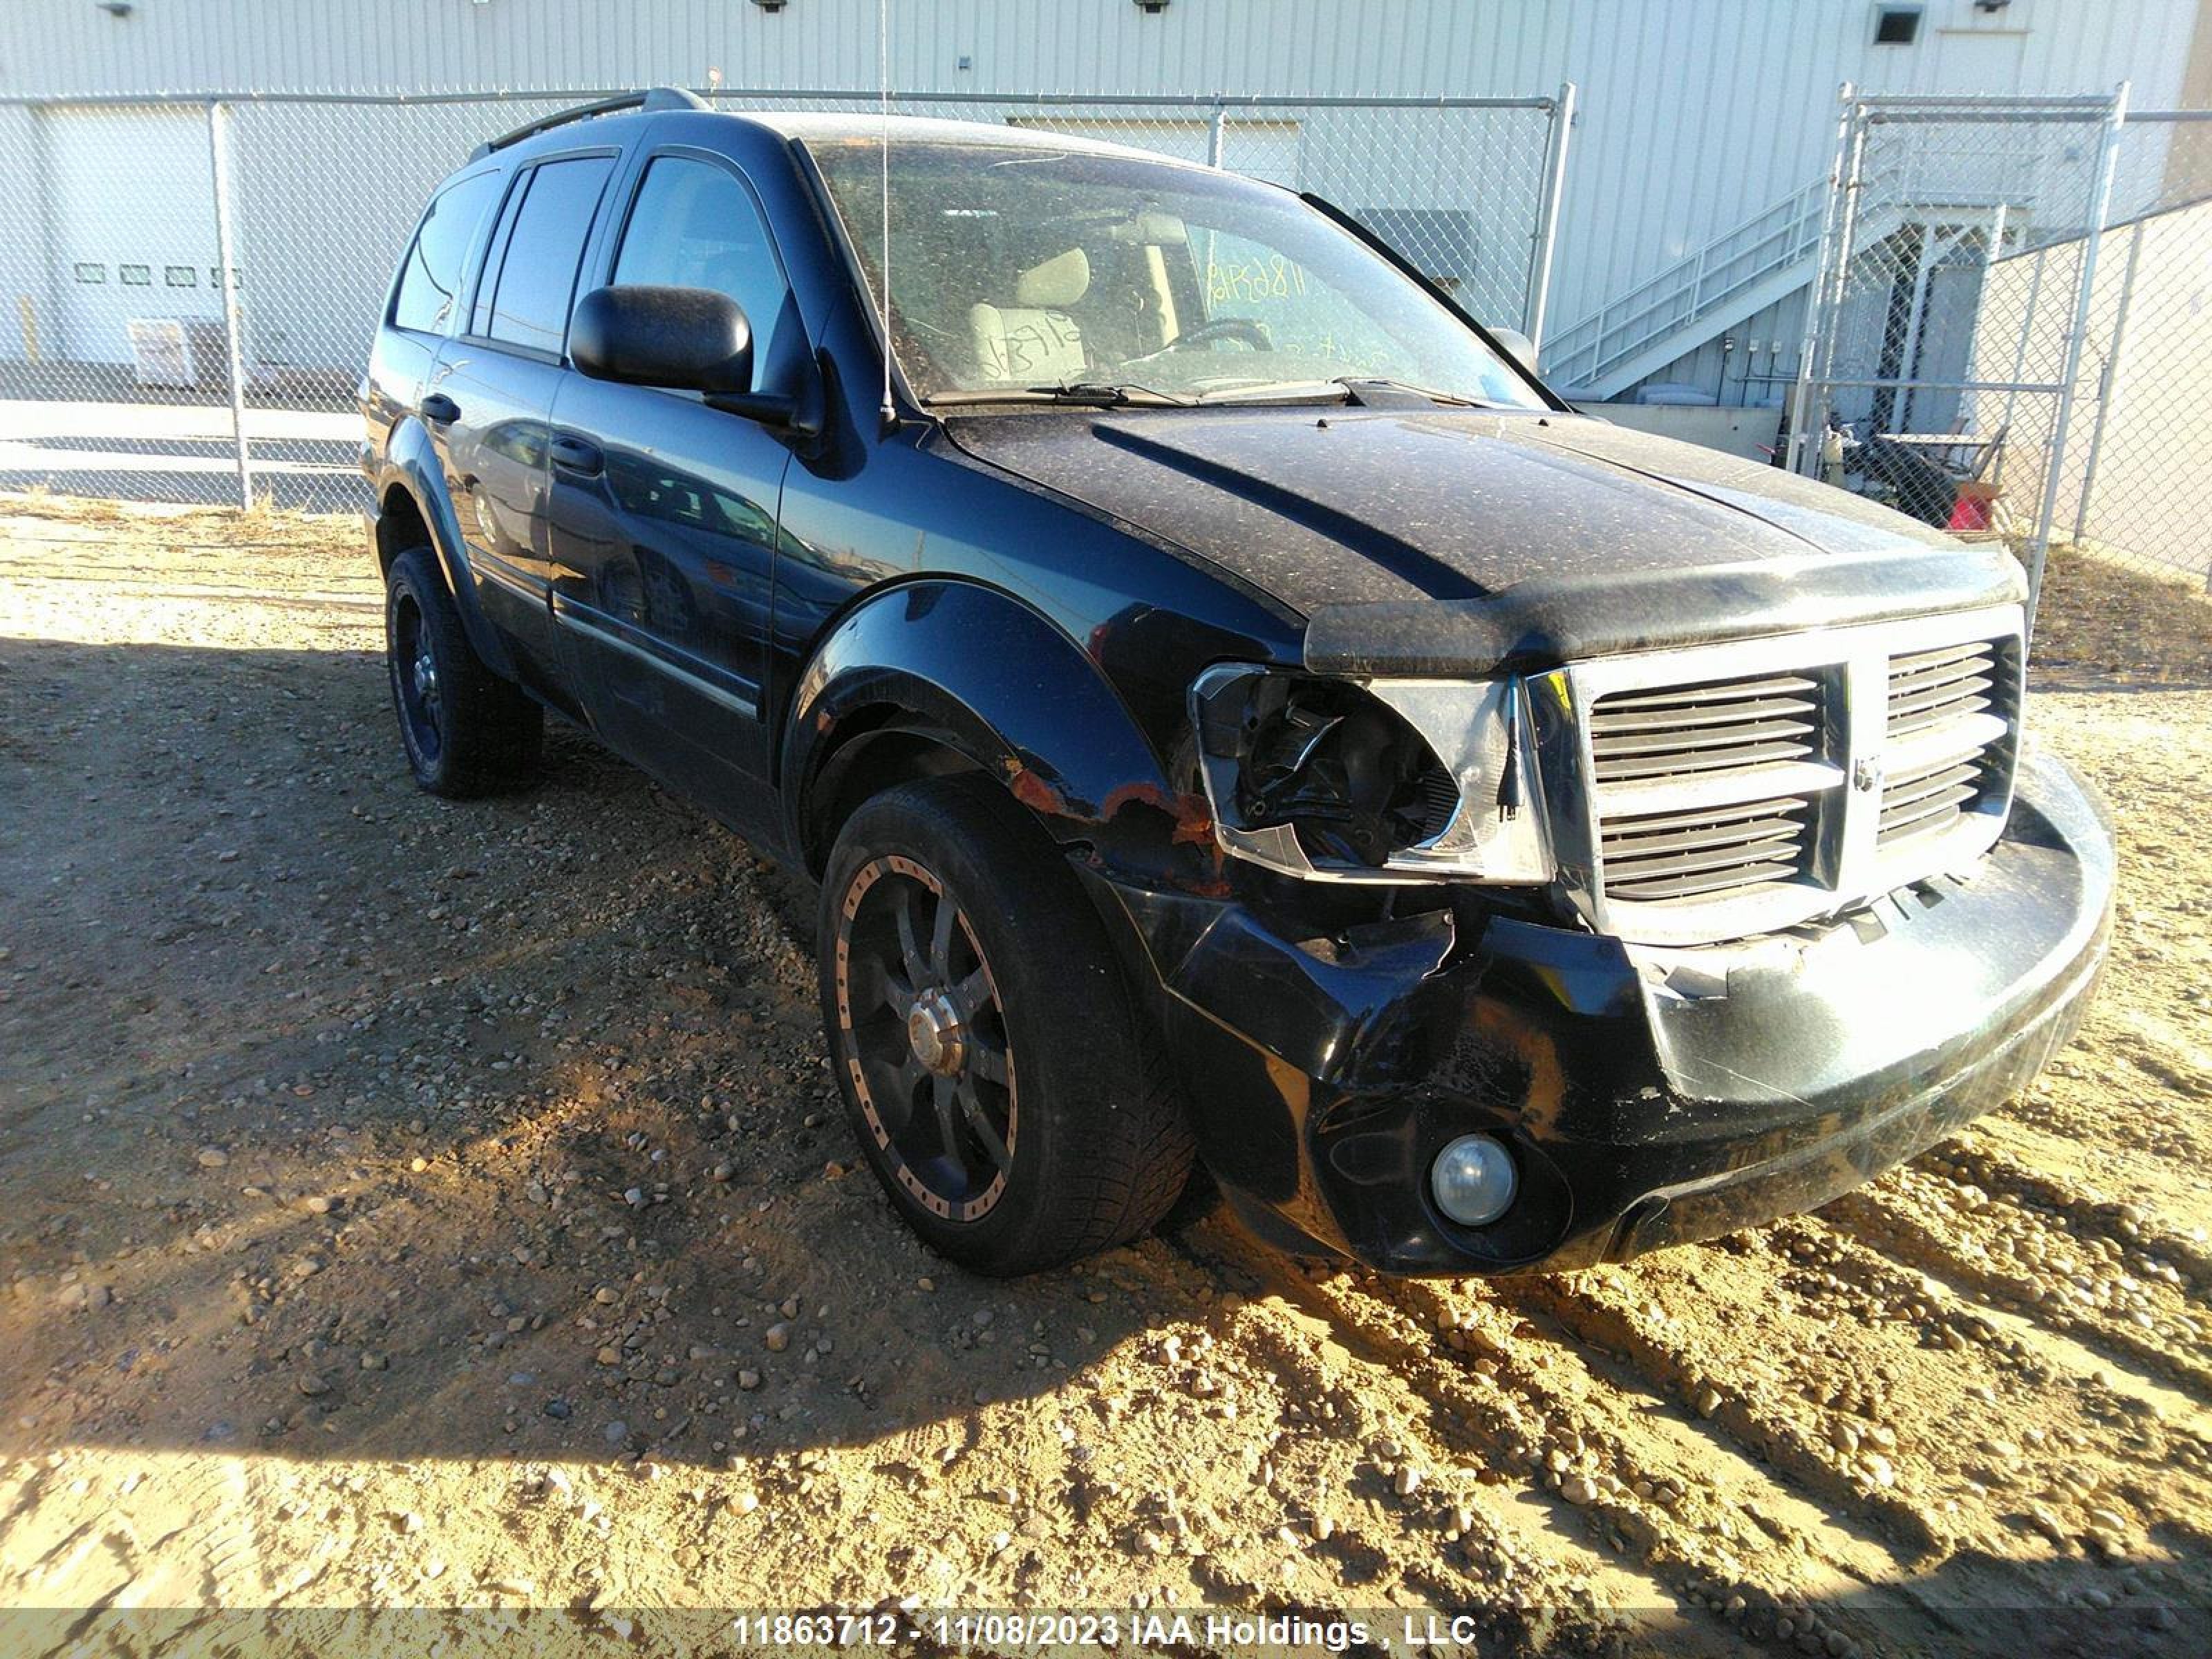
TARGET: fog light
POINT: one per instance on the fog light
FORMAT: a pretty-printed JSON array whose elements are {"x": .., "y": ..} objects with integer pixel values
[{"x": 1473, "y": 1180}]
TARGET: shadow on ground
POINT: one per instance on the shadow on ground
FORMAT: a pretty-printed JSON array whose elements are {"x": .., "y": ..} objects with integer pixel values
[{"x": 344, "y": 1121}]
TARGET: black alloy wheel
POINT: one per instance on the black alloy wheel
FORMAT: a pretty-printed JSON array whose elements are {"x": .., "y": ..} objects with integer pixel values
[
  {"x": 467, "y": 731},
  {"x": 1001, "y": 1075},
  {"x": 415, "y": 684}
]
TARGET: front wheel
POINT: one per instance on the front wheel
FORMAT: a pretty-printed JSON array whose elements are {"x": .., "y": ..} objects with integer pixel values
[{"x": 997, "y": 1071}]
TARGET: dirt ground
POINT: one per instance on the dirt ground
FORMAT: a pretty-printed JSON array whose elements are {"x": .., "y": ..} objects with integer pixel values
[{"x": 408, "y": 1204}]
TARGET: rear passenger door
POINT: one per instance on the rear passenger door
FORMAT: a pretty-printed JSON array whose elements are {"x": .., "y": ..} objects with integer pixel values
[
  {"x": 428, "y": 300},
  {"x": 664, "y": 511},
  {"x": 491, "y": 398}
]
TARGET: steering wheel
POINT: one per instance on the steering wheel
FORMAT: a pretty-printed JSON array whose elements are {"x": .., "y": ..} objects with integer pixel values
[{"x": 1250, "y": 330}]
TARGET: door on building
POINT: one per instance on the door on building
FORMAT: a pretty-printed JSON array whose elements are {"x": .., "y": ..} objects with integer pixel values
[{"x": 131, "y": 195}]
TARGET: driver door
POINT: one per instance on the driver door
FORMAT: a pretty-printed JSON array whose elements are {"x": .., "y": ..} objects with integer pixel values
[{"x": 663, "y": 512}]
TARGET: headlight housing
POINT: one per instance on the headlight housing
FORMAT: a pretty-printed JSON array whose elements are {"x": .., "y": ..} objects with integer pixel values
[{"x": 1382, "y": 781}]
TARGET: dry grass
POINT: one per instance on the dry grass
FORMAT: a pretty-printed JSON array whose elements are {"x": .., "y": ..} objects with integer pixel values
[{"x": 2101, "y": 620}]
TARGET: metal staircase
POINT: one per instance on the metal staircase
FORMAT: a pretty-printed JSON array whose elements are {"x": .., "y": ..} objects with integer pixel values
[{"x": 1743, "y": 270}]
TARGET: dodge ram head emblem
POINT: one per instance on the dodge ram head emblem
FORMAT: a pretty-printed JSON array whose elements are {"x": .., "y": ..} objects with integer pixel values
[{"x": 1866, "y": 772}]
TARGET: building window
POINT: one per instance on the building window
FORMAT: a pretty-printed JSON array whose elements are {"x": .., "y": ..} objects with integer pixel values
[
  {"x": 88, "y": 272},
  {"x": 180, "y": 276},
  {"x": 1896, "y": 25},
  {"x": 135, "y": 276}
]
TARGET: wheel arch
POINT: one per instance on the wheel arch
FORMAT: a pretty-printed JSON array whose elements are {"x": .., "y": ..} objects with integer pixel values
[
  {"x": 943, "y": 676},
  {"x": 414, "y": 509}
]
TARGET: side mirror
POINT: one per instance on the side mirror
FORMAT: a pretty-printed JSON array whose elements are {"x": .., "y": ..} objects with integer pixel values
[
  {"x": 686, "y": 339},
  {"x": 1522, "y": 348}
]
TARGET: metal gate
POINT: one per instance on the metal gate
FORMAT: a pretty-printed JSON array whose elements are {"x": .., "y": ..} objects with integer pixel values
[
  {"x": 1927, "y": 383},
  {"x": 196, "y": 280}
]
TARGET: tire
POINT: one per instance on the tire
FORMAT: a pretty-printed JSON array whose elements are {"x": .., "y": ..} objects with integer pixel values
[
  {"x": 1063, "y": 1134},
  {"x": 467, "y": 731}
]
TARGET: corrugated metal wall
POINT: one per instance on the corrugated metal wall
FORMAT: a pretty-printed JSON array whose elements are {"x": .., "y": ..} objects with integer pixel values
[{"x": 1698, "y": 112}]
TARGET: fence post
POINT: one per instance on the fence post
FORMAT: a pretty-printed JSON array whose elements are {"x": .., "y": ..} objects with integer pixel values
[
  {"x": 2026, "y": 328},
  {"x": 1217, "y": 136},
  {"x": 227, "y": 263},
  {"x": 2108, "y": 384},
  {"x": 2100, "y": 202},
  {"x": 1801, "y": 399},
  {"x": 1539, "y": 296}
]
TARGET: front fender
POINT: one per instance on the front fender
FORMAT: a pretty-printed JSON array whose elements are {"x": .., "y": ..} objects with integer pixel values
[
  {"x": 978, "y": 671},
  {"x": 411, "y": 463}
]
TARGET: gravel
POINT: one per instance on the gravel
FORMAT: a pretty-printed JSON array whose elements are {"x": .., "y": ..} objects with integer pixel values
[{"x": 553, "y": 1060}]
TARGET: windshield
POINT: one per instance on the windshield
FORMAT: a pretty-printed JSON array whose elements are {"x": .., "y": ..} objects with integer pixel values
[{"x": 1021, "y": 269}]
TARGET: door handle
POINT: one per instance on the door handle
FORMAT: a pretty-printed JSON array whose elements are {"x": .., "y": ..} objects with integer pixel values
[
  {"x": 575, "y": 455},
  {"x": 440, "y": 408}
]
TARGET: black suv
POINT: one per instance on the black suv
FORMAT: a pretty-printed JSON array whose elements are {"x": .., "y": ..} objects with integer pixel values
[{"x": 1231, "y": 708}]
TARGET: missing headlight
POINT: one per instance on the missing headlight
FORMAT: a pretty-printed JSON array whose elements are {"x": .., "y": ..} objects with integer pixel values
[
  {"x": 1352, "y": 779},
  {"x": 1398, "y": 780}
]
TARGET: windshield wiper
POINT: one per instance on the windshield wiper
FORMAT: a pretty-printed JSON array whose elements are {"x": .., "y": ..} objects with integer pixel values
[{"x": 1089, "y": 393}]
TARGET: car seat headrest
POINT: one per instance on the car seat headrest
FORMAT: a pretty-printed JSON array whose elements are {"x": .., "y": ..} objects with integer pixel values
[{"x": 1059, "y": 281}]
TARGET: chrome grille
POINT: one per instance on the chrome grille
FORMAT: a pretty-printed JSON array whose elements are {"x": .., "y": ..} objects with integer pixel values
[
  {"x": 1744, "y": 789},
  {"x": 1948, "y": 710},
  {"x": 1713, "y": 741},
  {"x": 1930, "y": 688},
  {"x": 1722, "y": 725},
  {"x": 1657, "y": 856},
  {"x": 1926, "y": 800}
]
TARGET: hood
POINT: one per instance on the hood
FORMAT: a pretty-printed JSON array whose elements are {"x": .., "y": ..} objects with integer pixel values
[{"x": 1449, "y": 540}]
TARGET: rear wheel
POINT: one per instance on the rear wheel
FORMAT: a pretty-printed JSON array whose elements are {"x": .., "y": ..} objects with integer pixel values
[
  {"x": 467, "y": 731},
  {"x": 997, "y": 1071}
]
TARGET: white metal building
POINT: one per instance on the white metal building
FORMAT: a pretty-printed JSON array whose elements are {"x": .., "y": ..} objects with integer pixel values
[{"x": 1705, "y": 127}]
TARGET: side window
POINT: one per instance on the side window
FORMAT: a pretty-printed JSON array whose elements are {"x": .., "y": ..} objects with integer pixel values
[
  {"x": 536, "y": 276},
  {"x": 430, "y": 281},
  {"x": 695, "y": 226},
  {"x": 494, "y": 253}
]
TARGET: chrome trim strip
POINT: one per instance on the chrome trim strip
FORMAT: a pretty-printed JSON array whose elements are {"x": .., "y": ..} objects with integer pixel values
[
  {"x": 1722, "y": 789},
  {"x": 1971, "y": 735},
  {"x": 511, "y": 577},
  {"x": 571, "y": 613}
]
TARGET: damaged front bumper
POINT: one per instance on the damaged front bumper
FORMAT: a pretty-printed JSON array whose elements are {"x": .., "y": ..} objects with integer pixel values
[{"x": 1648, "y": 1098}]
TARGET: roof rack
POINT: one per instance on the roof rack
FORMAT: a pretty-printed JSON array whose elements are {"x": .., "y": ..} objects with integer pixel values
[{"x": 659, "y": 98}]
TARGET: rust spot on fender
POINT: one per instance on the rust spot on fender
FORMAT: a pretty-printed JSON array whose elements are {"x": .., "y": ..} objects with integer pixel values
[
  {"x": 1194, "y": 818},
  {"x": 1039, "y": 796}
]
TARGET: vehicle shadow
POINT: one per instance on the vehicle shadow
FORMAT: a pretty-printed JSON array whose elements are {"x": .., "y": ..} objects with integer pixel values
[{"x": 342, "y": 1121}]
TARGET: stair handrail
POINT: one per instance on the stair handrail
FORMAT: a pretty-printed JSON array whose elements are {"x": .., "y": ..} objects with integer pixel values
[{"x": 1794, "y": 222}]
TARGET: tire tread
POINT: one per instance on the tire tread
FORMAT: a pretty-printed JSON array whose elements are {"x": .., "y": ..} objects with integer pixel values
[{"x": 1118, "y": 1170}]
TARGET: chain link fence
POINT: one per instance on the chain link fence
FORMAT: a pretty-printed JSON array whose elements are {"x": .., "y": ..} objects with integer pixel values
[
  {"x": 2010, "y": 333},
  {"x": 2134, "y": 488},
  {"x": 190, "y": 297},
  {"x": 1929, "y": 383}
]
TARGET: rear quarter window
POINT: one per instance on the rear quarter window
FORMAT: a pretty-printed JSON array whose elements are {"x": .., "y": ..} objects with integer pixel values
[{"x": 430, "y": 280}]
